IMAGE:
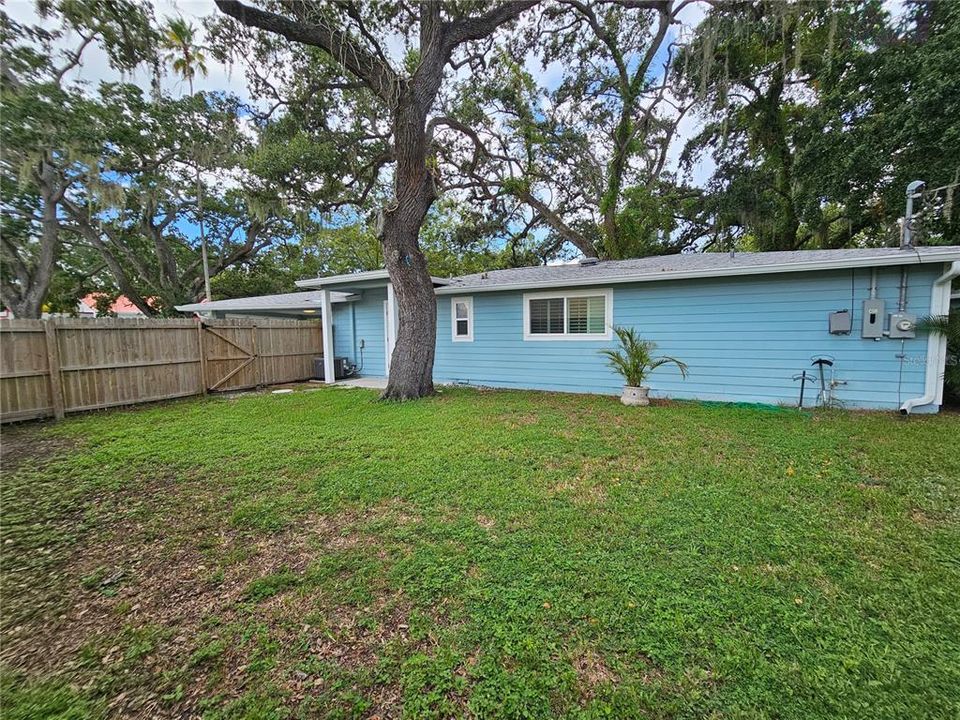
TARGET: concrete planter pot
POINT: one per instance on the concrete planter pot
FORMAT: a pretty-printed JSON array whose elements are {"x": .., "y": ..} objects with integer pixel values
[{"x": 638, "y": 396}]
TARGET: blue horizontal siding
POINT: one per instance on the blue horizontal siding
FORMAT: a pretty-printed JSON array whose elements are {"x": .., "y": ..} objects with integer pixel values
[
  {"x": 742, "y": 337},
  {"x": 358, "y": 320}
]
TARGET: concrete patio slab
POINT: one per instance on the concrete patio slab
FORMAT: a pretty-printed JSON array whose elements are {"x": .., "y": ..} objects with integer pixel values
[{"x": 373, "y": 383}]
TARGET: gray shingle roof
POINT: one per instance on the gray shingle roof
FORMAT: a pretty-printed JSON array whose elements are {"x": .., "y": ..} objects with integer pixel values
[{"x": 693, "y": 265}]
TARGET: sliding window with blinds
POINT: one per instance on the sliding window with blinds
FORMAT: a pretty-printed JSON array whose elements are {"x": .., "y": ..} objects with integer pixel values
[
  {"x": 546, "y": 316},
  {"x": 586, "y": 315},
  {"x": 577, "y": 315}
]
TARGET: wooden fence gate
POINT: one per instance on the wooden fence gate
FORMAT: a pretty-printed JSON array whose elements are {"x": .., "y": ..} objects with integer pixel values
[
  {"x": 245, "y": 354},
  {"x": 52, "y": 367},
  {"x": 230, "y": 357}
]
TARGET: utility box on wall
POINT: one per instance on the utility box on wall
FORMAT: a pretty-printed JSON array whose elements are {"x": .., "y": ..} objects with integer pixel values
[
  {"x": 873, "y": 315},
  {"x": 840, "y": 322},
  {"x": 903, "y": 325}
]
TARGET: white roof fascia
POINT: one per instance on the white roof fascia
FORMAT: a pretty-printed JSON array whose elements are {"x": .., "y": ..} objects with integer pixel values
[
  {"x": 214, "y": 307},
  {"x": 339, "y": 279},
  {"x": 320, "y": 282}
]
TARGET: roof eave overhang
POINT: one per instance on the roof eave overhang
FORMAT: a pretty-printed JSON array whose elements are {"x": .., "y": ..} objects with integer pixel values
[
  {"x": 357, "y": 280},
  {"x": 296, "y": 307},
  {"x": 880, "y": 261},
  {"x": 350, "y": 278}
]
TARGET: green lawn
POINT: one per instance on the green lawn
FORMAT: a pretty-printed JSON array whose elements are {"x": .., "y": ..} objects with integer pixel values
[{"x": 482, "y": 554}]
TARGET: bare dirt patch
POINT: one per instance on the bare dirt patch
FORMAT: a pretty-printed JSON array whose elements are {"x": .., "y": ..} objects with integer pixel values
[
  {"x": 585, "y": 489},
  {"x": 651, "y": 673},
  {"x": 170, "y": 604},
  {"x": 485, "y": 522},
  {"x": 592, "y": 672},
  {"x": 29, "y": 444},
  {"x": 519, "y": 420},
  {"x": 924, "y": 519}
]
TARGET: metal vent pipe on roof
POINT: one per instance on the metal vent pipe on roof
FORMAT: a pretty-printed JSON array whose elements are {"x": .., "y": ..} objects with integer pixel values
[{"x": 914, "y": 190}]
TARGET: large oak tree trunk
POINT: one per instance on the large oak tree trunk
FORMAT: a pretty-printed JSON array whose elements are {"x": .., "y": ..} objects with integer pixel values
[
  {"x": 28, "y": 306},
  {"x": 411, "y": 364},
  {"x": 409, "y": 99},
  {"x": 34, "y": 281}
]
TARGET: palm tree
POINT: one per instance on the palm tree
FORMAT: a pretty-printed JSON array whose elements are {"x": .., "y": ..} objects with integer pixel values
[
  {"x": 182, "y": 51},
  {"x": 635, "y": 360},
  {"x": 185, "y": 55}
]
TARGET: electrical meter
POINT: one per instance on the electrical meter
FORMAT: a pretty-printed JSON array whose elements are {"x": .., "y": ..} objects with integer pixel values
[{"x": 903, "y": 325}]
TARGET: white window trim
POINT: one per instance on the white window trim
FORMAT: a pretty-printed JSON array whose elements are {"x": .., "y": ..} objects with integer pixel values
[
  {"x": 607, "y": 294},
  {"x": 468, "y": 301}
]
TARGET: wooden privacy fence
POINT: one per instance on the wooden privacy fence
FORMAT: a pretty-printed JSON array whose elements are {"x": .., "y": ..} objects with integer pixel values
[{"x": 52, "y": 367}]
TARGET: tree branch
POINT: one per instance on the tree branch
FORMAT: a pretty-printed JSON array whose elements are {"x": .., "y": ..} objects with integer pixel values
[
  {"x": 478, "y": 147},
  {"x": 477, "y": 28},
  {"x": 73, "y": 59},
  {"x": 553, "y": 220},
  {"x": 376, "y": 74}
]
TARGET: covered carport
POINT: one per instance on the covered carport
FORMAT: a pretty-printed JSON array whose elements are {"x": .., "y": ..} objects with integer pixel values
[
  {"x": 365, "y": 287},
  {"x": 292, "y": 306},
  {"x": 310, "y": 305}
]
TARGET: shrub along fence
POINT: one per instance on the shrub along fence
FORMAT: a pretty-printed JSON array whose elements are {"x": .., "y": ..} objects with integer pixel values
[{"x": 52, "y": 367}]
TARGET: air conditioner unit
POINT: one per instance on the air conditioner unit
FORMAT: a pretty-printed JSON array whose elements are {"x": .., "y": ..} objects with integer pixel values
[{"x": 341, "y": 368}]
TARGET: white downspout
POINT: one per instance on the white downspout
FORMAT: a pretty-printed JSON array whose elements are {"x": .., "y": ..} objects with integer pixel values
[{"x": 936, "y": 342}]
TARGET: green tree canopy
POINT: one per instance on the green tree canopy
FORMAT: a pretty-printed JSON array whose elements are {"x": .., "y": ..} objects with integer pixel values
[{"x": 817, "y": 116}]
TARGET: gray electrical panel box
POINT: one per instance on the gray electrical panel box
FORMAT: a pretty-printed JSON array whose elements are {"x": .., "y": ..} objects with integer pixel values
[
  {"x": 903, "y": 325},
  {"x": 873, "y": 316},
  {"x": 840, "y": 322}
]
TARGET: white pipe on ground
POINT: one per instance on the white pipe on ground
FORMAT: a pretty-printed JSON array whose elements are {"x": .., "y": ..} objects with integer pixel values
[{"x": 936, "y": 342}]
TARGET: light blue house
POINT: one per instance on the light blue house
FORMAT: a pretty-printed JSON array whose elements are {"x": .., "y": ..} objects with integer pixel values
[{"x": 745, "y": 324}]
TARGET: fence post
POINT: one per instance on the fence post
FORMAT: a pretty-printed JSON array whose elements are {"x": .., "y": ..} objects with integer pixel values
[
  {"x": 203, "y": 357},
  {"x": 258, "y": 362},
  {"x": 53, "y": 365}
]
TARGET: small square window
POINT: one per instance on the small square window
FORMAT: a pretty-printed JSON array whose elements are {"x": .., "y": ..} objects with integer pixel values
[{"x": 462, "y": 319}]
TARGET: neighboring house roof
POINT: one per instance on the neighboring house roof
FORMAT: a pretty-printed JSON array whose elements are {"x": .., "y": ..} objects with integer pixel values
[
  {"x": 121, "y": 306},
  {"x": 353, "y": 279},
  {"x": 693, "y": 265},
  {"x": 284, "y": 302}
]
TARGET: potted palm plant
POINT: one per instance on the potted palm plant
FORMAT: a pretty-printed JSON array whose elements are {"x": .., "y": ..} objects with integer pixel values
[{"x": 635, "y": 361}]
